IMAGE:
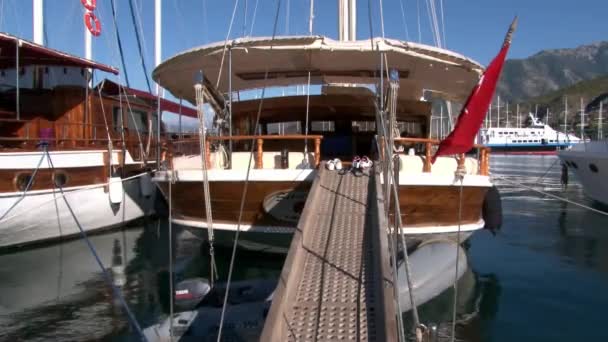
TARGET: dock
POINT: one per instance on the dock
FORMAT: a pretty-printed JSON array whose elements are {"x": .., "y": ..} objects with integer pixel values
[{"x": 336, "y": 283}]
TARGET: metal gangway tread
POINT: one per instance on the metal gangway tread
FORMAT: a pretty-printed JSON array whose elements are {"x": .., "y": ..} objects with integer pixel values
[{"x": 336, "y": 283}]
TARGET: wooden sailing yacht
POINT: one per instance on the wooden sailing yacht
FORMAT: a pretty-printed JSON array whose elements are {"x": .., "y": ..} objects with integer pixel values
[
  {"x": 335, "y": 119},
  {"x": 70, "y": 154}
]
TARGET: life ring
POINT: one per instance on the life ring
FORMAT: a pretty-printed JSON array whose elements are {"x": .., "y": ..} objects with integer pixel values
[
  {"x": 89, "y": 4},
  {"x": 89, "y": 20}
]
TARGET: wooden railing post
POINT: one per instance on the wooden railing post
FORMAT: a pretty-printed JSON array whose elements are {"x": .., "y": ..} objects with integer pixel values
[
  {"x": 427, "y": 157},
  {"x": 259, "y": 163},
  {"x": 317, "y": 152},
  {"x": 484, "y": 164}
]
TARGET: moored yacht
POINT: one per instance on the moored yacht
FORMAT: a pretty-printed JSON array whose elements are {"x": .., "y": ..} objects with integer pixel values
[
  {"x": 70, "y": 154},
  {"x": 589, "y": 161},
  {"x": 335, "y": 118}
]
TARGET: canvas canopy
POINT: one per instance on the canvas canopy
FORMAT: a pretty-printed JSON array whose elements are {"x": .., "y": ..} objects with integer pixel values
[
  {"x": 289, "y": 59},
  {"x": 35, "y": 54}
]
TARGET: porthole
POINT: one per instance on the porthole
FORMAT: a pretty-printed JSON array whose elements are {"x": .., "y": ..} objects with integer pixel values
[
  {"x": 23, "y": 180},
  {"x": 593, "y": 168},
  {"x": 60, "y": 179}
]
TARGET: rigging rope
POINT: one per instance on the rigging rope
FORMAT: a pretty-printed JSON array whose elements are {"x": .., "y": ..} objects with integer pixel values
[
  {"x": 139, "y": 46},
  {"x": 382, "y": 18},
  {"x": 206, "y": 193},
  {"x": 391, "y": 177},
  {"x": 305, "y": 161},
  {"x": 418, "y": 16},
  {"x": 94, "y": 186},
  {"x": 118, "y": 40},
  {"x": 219, "y": 74},
  {"x": 460, "y": 174},
  {"x": 171, "y": 293},
  {"x": 107, "y": 277},
  {"x": 246, "y": 185},
  {"x": 407, "y": 33},
  {"x": 255, "y": 12},
  {"x": 27, "y": 188},
  {"x": 442, "y": 24}
]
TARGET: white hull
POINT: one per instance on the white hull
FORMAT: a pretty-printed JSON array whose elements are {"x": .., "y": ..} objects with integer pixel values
[
  {"x": 277, "y": 239},
  {"x": 44, "y": 215},
  {"x": 583, "y": 160}
]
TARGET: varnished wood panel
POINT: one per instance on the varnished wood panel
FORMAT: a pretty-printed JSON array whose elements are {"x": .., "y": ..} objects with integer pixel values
[
  {"x": 438, "y": 205},
  {"x": 420, "y": 205},
  {"x": 77, "y": 176},
  {"x": 188, "y": 200}
]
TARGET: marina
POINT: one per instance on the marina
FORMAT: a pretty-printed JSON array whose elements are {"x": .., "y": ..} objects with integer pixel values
[
  {"x": 295, "y": 187},
  {"x": 542, "y": 243}
]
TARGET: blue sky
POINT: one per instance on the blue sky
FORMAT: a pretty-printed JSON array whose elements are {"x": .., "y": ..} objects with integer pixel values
[{"x": 474, "y": 28}]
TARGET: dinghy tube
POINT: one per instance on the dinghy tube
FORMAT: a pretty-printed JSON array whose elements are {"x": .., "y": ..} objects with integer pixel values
[{"x": 432, "y": 268}]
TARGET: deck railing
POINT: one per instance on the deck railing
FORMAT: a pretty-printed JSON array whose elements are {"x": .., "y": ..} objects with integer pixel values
[
  {"x": 429, "y": 144},
  {"x": 187, "y": 145},
  {"x": 73, "y": 135}
]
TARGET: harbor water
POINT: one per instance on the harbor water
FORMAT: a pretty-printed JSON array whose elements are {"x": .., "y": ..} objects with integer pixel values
[{"x": 543, "y": 277}]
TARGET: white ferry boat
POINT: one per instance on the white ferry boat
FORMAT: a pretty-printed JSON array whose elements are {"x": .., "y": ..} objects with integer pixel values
[{"x": 536, "y": 138}]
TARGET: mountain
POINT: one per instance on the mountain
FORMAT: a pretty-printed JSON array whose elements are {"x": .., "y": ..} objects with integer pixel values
[{"x": 550, "y": 70}]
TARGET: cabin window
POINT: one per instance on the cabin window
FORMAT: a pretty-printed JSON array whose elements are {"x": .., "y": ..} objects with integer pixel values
[
  {"x": 23, "y": 180},
  {"x": 322, "y": 126},
  {"x": 60, "y": 179},
  {"x": 282, "y": 128},
  {"x": 364, "y": 126},
  {"x": 593, "y": 168},
  {"x": 138, "y": 121}
]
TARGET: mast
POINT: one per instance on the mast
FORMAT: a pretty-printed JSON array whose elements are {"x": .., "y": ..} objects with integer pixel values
[
  {"x": 498, "y": 113},
  {"x": 347, "y": 23},
  {"x": 507, "y": 125},
  {"x": 157, "y": 36},
  {"x": 600, "y": 128},
  {"x": 38, "y": 9},
  {"x": 518, "y": 119},
  {"x": 490, "y": 116},
  {"x": 582, "y": 120},
  {"x": 566, "y": 117}
]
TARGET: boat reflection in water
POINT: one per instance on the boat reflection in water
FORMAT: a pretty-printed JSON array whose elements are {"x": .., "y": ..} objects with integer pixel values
[{"x": 57, "y": 292}]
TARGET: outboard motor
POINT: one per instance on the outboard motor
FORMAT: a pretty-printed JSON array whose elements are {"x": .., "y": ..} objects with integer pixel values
[
  {"x": 492, "y": 210},
  {"x": 284, "y": 158},
  {"x": 190, "y": 292}
]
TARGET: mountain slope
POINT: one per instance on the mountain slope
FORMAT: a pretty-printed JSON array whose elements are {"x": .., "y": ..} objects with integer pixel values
[{"x": 551, "y": 70}]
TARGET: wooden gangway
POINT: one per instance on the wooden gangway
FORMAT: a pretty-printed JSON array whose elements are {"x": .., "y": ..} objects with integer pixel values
[{"x": 336, "y": 281}]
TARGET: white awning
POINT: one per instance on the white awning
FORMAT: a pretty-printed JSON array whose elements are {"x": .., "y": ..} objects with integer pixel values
[{"x": 289, "y": 59}]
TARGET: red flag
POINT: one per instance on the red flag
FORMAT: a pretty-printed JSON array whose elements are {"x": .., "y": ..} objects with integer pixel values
[{"x": 474, "y": 111}]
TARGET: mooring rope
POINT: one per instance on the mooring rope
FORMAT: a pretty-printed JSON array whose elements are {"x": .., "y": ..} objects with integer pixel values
[
  {"x": 171, "y": 293},
  {"x": 206, "y": 191},
  {"x": 460, "y": 174},
  {"x": 246, "y": 185},
  {"x": 116, "y": 290},
  {"x": 90, "y": 187},
  {"x": 27, "y": 188},
  {"x": 552, "y": 195}
]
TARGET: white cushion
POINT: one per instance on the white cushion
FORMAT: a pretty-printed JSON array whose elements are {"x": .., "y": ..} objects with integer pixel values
[{"x": 442, "y": 166}]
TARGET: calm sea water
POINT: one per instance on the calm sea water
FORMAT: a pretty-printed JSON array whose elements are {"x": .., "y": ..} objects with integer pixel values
[{"x": 544, "y": 277}]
